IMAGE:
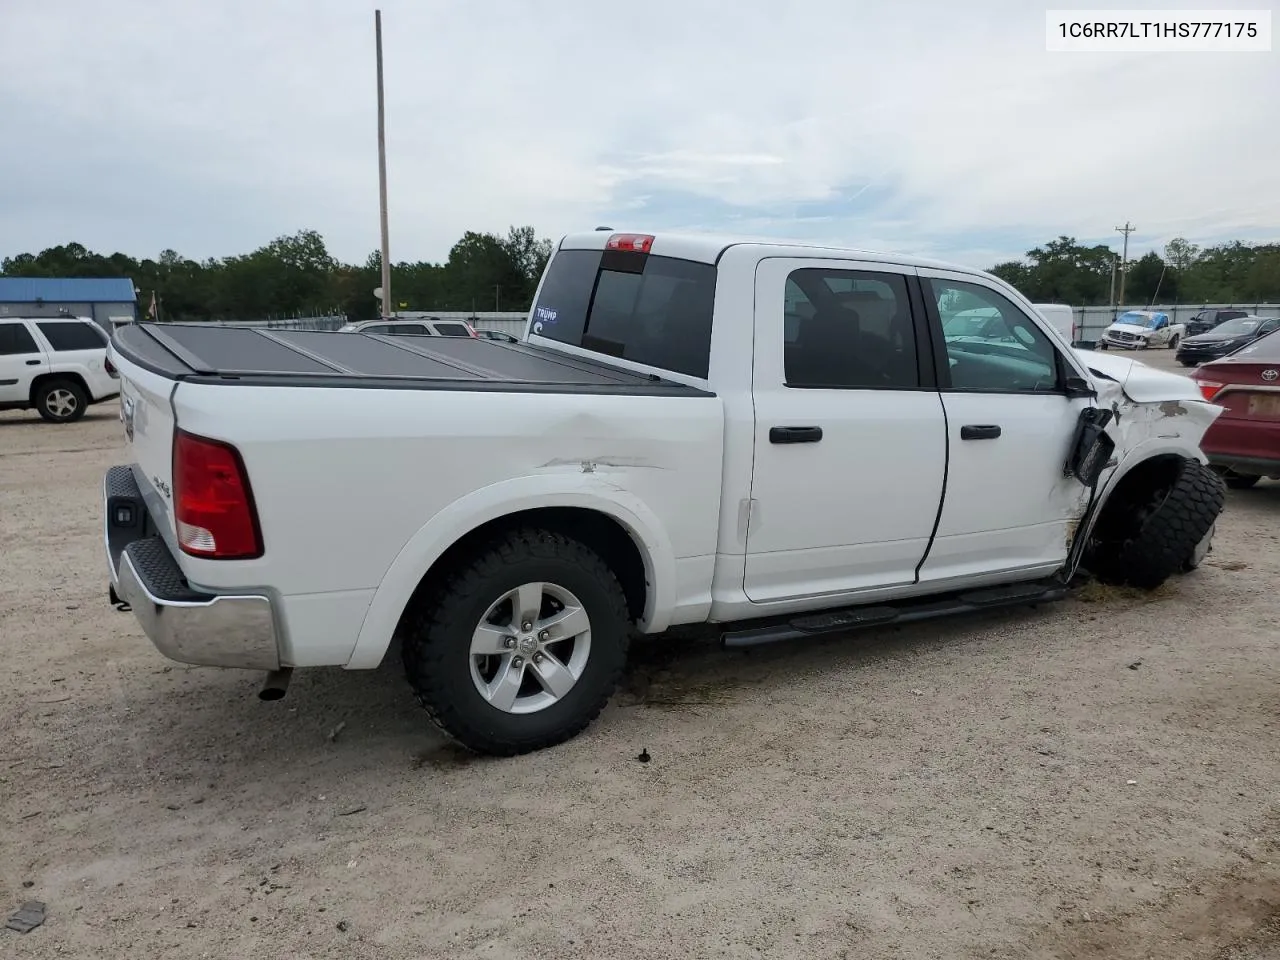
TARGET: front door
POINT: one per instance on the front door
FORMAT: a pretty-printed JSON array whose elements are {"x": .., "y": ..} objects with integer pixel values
[
  {"x": 21, "y": 361},
  {"x": 850, "y": 439},
  {"x": 1010, "y": 425}
]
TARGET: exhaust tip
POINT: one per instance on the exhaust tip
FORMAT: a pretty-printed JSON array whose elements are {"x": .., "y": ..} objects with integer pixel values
[{"x": 276, "y": 684}]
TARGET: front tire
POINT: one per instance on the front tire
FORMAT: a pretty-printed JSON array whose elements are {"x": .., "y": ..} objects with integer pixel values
[
  {"x": 61, "y": 401},
  {"x": 521, "y": 646},
  {"x": 1159, "y": 531}
]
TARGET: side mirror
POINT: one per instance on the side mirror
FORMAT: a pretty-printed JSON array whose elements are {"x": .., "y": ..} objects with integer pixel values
[{"x": 1079, "y": 387}]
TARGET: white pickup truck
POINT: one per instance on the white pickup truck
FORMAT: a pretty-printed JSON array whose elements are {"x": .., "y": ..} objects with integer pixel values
[{"x": 777, "y": 439}]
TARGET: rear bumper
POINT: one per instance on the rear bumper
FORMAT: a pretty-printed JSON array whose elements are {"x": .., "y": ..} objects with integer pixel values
[
  {"x": 1244, "y": 446},
  {"x": 186, "y": 625}
]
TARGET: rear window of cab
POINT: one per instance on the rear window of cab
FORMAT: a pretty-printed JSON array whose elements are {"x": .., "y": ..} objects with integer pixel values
[{"x": 648, "y": 309}]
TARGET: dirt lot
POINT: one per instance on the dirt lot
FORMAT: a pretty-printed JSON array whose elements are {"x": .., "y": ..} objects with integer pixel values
[{"x": 1094, "y": 779}]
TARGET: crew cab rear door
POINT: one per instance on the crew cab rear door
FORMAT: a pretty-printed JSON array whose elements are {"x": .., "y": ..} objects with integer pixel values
[
  {"x": 850, "y": 438},
  {"x": 1011, "y": 420}
]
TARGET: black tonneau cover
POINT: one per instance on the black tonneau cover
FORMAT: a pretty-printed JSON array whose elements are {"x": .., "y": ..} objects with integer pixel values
[{"x": 211, "y": 353}]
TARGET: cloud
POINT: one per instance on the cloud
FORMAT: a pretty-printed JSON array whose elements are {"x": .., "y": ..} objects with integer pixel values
[{"x": 930, "y": 127}]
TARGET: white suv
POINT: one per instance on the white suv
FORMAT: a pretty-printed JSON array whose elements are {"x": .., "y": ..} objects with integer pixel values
[
  {"x": 426, "y": 327},
  {"x": 58, "y": 365}
]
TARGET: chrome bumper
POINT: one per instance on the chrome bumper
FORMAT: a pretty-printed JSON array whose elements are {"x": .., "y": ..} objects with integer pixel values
[{"x": 185, "y": 625}]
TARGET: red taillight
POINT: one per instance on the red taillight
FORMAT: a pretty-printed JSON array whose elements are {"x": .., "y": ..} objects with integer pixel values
[
  {"x": 1208, "y": 388},
  {"x": 213, "y": 504},
  {"x": 110, "y": 367},
  {"x": 634, "y": 242}
]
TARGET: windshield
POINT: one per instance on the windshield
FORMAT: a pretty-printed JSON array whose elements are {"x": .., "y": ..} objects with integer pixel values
[
  {"x": 1263, "y": 350},
  {"x": 1237, "y": 327},
  {"x": 1135, "y": 319}
]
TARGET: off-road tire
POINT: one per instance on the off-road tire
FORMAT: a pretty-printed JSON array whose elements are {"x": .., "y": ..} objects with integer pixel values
[
  {"x": 47, "y": 389},
  {"x": 1160, "y": 538},
  {"x": 436, "y": 636}
]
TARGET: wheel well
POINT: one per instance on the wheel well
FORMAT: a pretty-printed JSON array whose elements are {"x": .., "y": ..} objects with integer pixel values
[
  {"x": 596, "y": 530},
  {"x": 46, "y": 377},
  {"x": 1121, "y": 506}
]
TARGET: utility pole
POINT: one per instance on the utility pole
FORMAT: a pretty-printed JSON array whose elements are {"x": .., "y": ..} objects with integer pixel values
[
  {"x": 1127, "y": 229},
  {"x": 382, "y": 173}
]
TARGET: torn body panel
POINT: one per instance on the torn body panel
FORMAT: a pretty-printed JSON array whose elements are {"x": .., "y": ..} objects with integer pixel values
[{"x": 1152, "y": 414}]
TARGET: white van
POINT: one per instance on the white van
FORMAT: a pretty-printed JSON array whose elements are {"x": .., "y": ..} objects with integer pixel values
[{"x": 1061, "y": 316}]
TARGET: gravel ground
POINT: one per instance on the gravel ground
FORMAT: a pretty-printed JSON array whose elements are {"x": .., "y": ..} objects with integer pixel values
[{"x": 1092, "y": 779}]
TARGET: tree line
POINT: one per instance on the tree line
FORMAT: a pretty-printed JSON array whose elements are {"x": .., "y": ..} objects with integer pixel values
[
  {"x": 296, "y": 276},
  {"x": 1065, "y": 271}
]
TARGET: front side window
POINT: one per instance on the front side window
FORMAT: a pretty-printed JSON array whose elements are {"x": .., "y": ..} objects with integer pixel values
[
  {"x": 848, "y": 330},
  {"x": 452, "y": 330},
  {"x": 992, "y": 346},
  {"x": 72, "y": 335},
  {"x": 635, "y": 306},
  {"x": 408, "y": 330}
]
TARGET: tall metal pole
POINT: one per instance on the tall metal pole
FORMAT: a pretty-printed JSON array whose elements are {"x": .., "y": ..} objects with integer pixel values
[
  {"x": 382, "y": 174},
  {"x": 1124, "y": 262}
]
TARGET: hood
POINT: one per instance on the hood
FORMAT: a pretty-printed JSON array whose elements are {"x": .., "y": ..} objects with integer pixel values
[
  {"x": 1213, "y": 336},
  {"x": 1130, "y": 328},
  {"x": 1141, "y": 383}
]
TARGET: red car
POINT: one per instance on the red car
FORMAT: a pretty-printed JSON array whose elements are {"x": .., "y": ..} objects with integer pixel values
[{"x": 1244, "y": 442}]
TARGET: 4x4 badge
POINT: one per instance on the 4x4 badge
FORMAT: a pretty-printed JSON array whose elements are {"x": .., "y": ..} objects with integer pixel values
[{"x": 1270, "y": 375}]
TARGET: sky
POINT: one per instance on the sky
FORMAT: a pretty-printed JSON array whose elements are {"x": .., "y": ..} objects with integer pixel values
[{"x": 936, "y": 128}]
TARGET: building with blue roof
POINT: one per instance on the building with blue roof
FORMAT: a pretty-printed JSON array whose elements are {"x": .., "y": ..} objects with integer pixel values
[{"x": 109, "y": 301}]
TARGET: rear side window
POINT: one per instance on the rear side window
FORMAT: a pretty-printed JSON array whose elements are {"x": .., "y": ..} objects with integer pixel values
[
  {"x": 405, "y": 330},
  {"x": 73, "y": 336},
  {"x": 452, "y": 330},
  {"x": 848, "y": 330},
  {"x": 640, "y": 307},
  {"x": 16, "y": 340}
]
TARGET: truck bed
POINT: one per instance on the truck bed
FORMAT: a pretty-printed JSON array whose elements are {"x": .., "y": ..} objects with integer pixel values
[{"x": 210, "y": 353}]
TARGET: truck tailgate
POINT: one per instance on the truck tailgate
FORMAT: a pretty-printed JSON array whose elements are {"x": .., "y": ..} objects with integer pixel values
[{"x": 147, "y": 412}]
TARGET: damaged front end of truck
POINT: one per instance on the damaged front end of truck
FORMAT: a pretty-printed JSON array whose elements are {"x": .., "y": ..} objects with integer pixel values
[{"x": 1153, "y": 501}]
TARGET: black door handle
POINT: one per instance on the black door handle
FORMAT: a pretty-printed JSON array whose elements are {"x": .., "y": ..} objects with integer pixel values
[
  {"x": 795, "y": 434},
  {"x": 979, "y": 432},
  {"x": 34, "y": 363}
]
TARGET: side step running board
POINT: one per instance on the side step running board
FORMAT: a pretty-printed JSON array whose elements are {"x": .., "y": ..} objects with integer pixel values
[{"x": 856, "y": 618}]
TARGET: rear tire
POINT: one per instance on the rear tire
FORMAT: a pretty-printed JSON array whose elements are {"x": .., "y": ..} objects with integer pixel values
[
  {"x": 1160, "y": 532},
  {"x": 61, "y": 401},
  {"x": 1173, "y": 342},
  {"x": 476, "y": 605}
]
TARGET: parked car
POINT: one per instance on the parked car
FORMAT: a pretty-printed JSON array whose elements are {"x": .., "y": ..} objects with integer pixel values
[
  {"x": 1244, "y": 443},
  {"x": 56, "y": 366},
  {"x": 497, "y": 335},
  {"x": 771, "y": 440},
  {"x": 428, "y": 327},
  {"x": 1223, "y": 339},
  {"x": 1140, "y": 329},
  {"x": 1206, "y": 320}
]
